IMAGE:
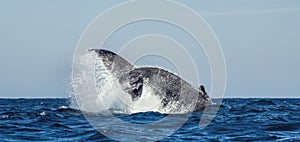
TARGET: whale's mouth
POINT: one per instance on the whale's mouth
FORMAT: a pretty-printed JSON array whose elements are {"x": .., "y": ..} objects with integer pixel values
[
  {"x": 122, "y": 86},
  {"x": 137, "y": 90}
]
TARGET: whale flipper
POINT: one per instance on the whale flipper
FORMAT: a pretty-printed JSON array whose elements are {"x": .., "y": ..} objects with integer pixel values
[
  {"x": 113, "y": 62},
  {"x": 120, "y": 68}
]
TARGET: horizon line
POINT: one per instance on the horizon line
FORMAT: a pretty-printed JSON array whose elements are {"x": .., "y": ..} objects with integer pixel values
[{"x": 211, "y": 98}]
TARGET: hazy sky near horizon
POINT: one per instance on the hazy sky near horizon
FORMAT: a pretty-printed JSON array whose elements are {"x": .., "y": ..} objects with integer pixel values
[{"x": 260, "y": 40}]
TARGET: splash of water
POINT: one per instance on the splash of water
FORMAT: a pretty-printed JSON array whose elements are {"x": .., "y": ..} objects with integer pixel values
[{"x": 110, "y": 95}]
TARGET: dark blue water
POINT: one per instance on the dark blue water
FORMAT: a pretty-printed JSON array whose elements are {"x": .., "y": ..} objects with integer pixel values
[{"x": 237, "y": 120}]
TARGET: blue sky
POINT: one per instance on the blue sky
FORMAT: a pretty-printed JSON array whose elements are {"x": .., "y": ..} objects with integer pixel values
[{"x": 259, "y": 38}]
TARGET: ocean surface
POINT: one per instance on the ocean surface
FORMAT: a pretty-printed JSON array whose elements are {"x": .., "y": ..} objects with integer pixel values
[{"x": 236, "y": 120}]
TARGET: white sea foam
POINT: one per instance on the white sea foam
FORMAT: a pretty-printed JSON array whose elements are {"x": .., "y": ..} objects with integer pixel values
[
  {"x": 43, "y": 113},
  {"x": 63, "y": 107}
]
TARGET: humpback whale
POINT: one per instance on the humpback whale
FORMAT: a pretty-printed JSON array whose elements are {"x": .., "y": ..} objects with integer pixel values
[{"x": 176, "y": 94}]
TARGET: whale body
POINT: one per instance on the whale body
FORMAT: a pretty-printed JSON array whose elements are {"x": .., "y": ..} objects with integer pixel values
[{"x": 175, "y": 94}]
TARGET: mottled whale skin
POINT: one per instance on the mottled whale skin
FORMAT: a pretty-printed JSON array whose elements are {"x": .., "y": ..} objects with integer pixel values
[{"x": 175, "y": 93}]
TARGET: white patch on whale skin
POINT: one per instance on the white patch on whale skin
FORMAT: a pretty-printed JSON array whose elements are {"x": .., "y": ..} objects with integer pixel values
[{"x": 147, "y": 102}]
